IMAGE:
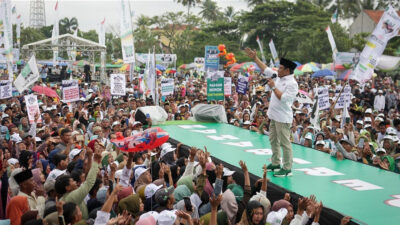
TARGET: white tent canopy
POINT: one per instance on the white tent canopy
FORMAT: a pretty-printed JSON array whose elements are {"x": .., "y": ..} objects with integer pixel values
[{"x": 67, "y": 42}]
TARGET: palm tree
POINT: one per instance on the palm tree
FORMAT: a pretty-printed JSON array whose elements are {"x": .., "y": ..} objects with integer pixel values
[
  {"x": 255, "y": 2},
  {"x": 230, "y": 13},
  {"x": 143, "y": 21},
  {"x": 210, "y": 10},
  {"x": 68, "y": 25},
  {"x": 188, "y": 3}
]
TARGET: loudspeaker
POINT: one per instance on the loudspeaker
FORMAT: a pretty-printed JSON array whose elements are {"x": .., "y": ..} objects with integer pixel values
[{"x": 156, "y": 113}]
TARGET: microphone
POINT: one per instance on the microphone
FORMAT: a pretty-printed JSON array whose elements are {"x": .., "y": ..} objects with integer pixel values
[{"x": 265, "y": 81}]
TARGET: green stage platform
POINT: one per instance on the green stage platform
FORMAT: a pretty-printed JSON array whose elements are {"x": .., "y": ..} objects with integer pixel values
[{"x": 368, "y": 194}]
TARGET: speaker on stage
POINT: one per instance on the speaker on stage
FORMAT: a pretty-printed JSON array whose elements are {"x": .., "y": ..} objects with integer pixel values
[{"x": 156, "y": 113}]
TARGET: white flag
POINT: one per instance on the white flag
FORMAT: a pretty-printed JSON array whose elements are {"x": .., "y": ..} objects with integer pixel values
[
  {"x": 314, "y": 119},
  {"x": 345, "y": 115},
  {"x": 331, "y": 40},
  {"x": 5, "y": 16},
  {"x": 387, "y": 28},
  {"x": 54, "y": 35},
  {"x": 273, "y": 51},
  {"x": 127, "y": 45},
  {"x": 261, "y": 50},
  {"x": 28, "y": 76}
]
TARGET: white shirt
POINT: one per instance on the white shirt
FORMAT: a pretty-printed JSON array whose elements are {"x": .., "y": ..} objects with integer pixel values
[
  {"x": 379, "y": 102},
  {"x": 281, "y": 110}
]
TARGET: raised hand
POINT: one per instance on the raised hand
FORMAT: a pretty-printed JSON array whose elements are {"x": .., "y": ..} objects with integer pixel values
[
  {"x": 215, "y": 201},
  {"x": 243, "y": 166}
]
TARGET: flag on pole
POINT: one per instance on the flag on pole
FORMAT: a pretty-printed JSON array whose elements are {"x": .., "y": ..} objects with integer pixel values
[
  {"x": 314, "y": 119},
  {"x": 334, "y": 16},
  {"x": 28, "y": 76},
  {"x": 271, "y": 63},
  {"x": 345, "y": 114},
  {"x": 261, "y": 50},
  {"x": 273, "y": 51},
  {"x": 54, "y": 34},
  {"x": 126, "y": 34},
  {"x": 5, "y": 16},
  {"x": 332, "y": 42},
  {"x": 18, "y": 31}
]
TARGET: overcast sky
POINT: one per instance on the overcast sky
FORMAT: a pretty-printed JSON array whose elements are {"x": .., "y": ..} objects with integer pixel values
[{"x": 91, "y": 12}]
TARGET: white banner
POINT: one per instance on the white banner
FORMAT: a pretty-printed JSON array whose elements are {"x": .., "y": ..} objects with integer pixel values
[
  {"x": 118, "y": 84},
  {"x": 5, "y": 16},
  {"x": 5, "y": 89},
  {"x": 28, "y": 76},
  {"x": 32, "y": 107},
  {"x": 323, "y": 98},
  {"x": 227, "y": 86},
  {"x": 273, "y": 51},
  {"x": 167, "y": 86},
  {"x": 345, "y": 97},
  {"x": 387, "y": 28},
  {"x": 331, "y": 41},
  {"x": 128, "y": 48},
  {"x": 70, "y": 90}
]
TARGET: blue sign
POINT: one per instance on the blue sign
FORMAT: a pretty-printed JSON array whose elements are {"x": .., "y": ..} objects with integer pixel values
[{"x": 211, "y": 59}]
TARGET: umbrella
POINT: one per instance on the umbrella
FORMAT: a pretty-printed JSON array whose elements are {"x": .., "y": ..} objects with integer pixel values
[
  {"x": 45, "y": 91},
  {"x": 81, "y": 63},
  {"x": 323, "y": 73},
  {"x": 329, "y": 66},
  {"x": 308, "y": 68},
  {"x": 170, "y": 70},
  {"x": 158, "y": 72},
  {"x": 148, "y": 139},
  {"x": 160, "y": 67},
  {"x": 245, "y": 67},
  {"x": 345, "y": 75},
  {"x": 298, "y": 72},
  {"x": 125, "y": 67}
]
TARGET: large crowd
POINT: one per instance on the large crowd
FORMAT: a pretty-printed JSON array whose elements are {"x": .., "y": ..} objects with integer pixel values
[{"x": 64, "y": 169}]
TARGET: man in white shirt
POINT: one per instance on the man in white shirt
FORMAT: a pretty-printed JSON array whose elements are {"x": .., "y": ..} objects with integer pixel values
[
  {"x": 284, "y": 90},
  {"x": 379, "y": 101}
]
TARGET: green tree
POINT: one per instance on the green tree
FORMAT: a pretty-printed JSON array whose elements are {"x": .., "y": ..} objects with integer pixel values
[
  {"x": 188, "y": 4},
  {"x": 255, "y": 2},
  {"x": 210, "y": 10},
  {"x": 68, "y": 25},
  {"x": 230, "y": 13}
]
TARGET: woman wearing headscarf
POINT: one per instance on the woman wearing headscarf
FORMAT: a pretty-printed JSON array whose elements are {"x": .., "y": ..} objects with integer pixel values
[
  {"x": 17, "y": 206},
  {"x": 229, "y": 205},
  {"x": 253, "y": 215},
  {"x": 133, "y": 204},
  {"x": 39, "y": 180}
]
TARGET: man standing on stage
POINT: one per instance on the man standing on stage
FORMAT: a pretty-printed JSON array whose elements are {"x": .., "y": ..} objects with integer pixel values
[{"x": 284, "y": 91}]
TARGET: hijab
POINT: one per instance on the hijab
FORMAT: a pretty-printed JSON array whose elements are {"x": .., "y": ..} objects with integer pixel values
[
  {"x": 17, "y": 206},
  {"x": 229, "y": 205}
]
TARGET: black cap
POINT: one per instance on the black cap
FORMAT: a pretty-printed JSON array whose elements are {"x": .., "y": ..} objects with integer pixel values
[
  {"x": 23, "y": 176},
  {"x": 288, "y": 64}
]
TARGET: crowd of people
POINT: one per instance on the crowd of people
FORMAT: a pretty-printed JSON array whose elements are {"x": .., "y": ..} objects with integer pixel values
[{"x": 64, "y": 169}]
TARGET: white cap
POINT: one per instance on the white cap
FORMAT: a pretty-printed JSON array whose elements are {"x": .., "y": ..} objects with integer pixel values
[
  {"x": 136, "y": 123},
  {"x": 165, "y": 150},
  {"x": 115, "y": 123},
  {"x": 369, "y": 110},
  {"x": 380, "y": 92},
  {"x": 16, "y": 138},
  {"x": 74, "y": 153},
  {"x": 154, "y": 214},
  {"x": 379, "y": 119},
  {"x": 166, "y": 145},
  {"x": 321, "y": 142},
  {"x": 246, "y": 122},
  {"x": 381, "y": 115},
  {"x": 167, "y": 217},
  {"x": 360, "y": 122},
  {"x": 151, "y": 189},
  {"x": 82, "y": 99},
  {"x": 276, "y": 218},
  {"x": 90, "y": 91},
  {"x": 12, "y": 161},
  {"x": 38, "y": 139},
  {"x": 308, "y": 136},
  {"x": 380, "y": 150},
  {"x": 228, "y": 172},
  {"x": 388, "y": 137},
  {"x": 367, "y": 126},
  {"x": 391, "y": 131},
  {"x": 299, "y": 112},
  {"x": 139, "y": 171},
  {"x": 367, "y": 119},
  {"x": 395, "y": 139}
]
